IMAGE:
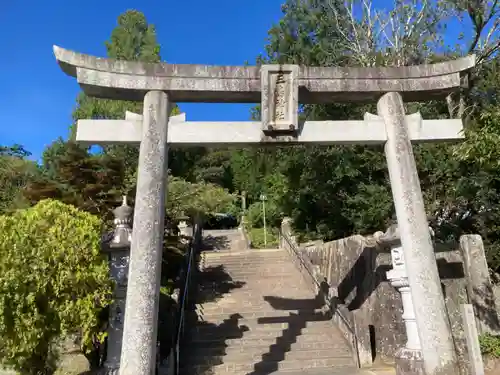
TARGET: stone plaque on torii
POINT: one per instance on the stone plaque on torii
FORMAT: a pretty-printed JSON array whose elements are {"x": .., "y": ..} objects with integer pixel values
[{"x": 279, "y": 89}]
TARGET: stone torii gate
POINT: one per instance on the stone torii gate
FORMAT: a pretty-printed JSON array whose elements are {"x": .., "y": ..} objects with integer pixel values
[{"x": 279, "y": 89}]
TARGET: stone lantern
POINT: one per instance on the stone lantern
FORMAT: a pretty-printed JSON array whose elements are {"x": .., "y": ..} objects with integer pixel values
[
  {"x": 185, "y": 230},
  {"x": 117, "y": 246},
  {"x": 409, "y": 358}
]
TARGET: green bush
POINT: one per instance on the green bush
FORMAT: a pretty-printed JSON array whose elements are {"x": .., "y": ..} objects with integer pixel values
[
  {"x": 53, "y": 282},
  {"x": 490, "y": 345},
  {"x": 257, "y": 238}
]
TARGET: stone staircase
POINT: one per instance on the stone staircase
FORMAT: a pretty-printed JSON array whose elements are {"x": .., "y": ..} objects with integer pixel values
[{"x": 256, "y": 315}]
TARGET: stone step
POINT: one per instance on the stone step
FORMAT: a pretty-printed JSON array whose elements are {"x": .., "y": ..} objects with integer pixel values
[
  {"x": 247, "y": 252},
  {"x": 247, "y": 271},
  {"x": 254, "y": 325},
  {"x": 254, "y": 264},
  {"x": 250, "y": 276},
  {"x": 265, "y": 302},
  {"x": 243, "y": 257},
  {"x": 247, "y": 266},
  {"x": 260, "y": 341},
  {"x": 216, "y": 356},
  {"x": 284, "y": 283},
  {"x": 223, "y": 314},
  {"x": 265, "y": 331},
  {"x": 251, "y": 261},
  {"x": 256, "y": 289},
  {"x": 274, "y": 286},
  {"x": 312, "y": 371},
  {"x": 245, "y": 297},
  {"x": 247, "y": 291},
  {"x": 258, "y": 300},
  {"x": 235, "y": 273},
  {"x": 216, "y": 348},
  {"x": 251, "y": 311},
  {"x": 270, "y": 366}
]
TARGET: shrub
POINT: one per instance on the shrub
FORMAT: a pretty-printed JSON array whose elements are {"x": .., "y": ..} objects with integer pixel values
[
  {"x": 490, "y": 345},
  {"x": 53, "y": 282}
]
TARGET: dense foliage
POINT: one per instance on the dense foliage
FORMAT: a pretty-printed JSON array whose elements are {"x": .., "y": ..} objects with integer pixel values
[{"x": 53, "y": 280}]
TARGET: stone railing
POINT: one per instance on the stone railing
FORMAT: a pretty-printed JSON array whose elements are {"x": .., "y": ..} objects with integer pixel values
[
  {"x": 245, "y": 236},
  {"x": 312, "y": 274},
  {"x": 353, "y": 272}
]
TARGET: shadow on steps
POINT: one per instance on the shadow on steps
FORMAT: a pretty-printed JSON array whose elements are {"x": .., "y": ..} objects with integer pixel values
[
  {"x": 213, "y": 284},
  {"x": 215, "y": 243},
  {"x": 296, "y": 323}
]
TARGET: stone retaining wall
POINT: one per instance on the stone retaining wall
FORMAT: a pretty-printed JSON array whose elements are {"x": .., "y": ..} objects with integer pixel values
[{"x": 352, "y": 272}]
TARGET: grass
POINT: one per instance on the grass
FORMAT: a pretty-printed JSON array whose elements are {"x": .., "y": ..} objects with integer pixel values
[{"x": 257, "y": 238}]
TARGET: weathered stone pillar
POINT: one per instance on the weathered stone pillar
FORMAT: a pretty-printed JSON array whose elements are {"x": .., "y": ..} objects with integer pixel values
[
  {"x": 479, "y": 286},
  {"x": 141, "y": 312},
  {"x": 118, "y": 248},
  {"x": 423, "y": 277},
  {"x": 286, "y": 231},
  {"x": 409, "y": 360}
]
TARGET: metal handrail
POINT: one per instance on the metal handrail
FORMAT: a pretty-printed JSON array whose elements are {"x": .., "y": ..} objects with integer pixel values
[
  {"x": 296, "y": 251},
  {"x": 183, "y": 298}
]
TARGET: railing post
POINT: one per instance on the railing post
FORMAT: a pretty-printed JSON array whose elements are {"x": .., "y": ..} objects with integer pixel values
[{"x": 117, "y": 246}]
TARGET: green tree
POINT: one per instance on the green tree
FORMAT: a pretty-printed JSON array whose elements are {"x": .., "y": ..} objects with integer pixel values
[
  {"x": 15, "y": 173},
  {"x": 196, "y": 199},
  {"x": 214, "y": 167},
  {"x": 74, "y": 176},
  {"x": 133, "y": 39},
  {"x": 53, "y": 279}
]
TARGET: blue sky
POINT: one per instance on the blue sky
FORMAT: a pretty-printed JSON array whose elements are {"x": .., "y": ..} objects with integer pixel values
[{"x": 37, "y": 98}]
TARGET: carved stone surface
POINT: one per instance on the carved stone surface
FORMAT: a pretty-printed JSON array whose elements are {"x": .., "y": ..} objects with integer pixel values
[
  {"x": 115, "y": 334},
  {"x": 119, "y": 268},
  {"x": 397, "y": 255},
  {"x": 409, "y": 362},
  {"x": 280, "y": 98}
]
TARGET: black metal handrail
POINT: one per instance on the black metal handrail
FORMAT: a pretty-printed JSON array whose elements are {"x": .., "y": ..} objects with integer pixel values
[{"x": 183, "y": 301}]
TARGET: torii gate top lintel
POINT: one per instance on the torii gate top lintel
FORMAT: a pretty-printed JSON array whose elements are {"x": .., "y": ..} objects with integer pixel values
[{"x": 128, "y": 80}]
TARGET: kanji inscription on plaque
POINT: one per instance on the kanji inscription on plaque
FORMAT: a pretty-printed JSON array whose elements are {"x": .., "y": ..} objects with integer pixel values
[{"x": 280, "y": 91}]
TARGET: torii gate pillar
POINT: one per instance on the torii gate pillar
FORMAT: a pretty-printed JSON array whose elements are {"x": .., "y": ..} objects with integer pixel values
[{"x": 143, "y": 291}]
